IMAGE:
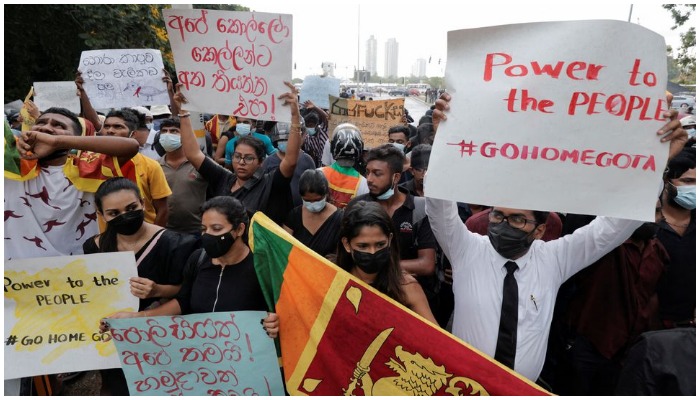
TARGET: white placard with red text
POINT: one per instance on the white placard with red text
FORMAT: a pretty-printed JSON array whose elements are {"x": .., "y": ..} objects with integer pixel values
[
  {"x": 232, "y": 62},
  {"x": 556, "y": 116}
]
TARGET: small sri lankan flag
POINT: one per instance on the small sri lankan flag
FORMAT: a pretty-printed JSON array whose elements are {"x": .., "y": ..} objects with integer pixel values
[{"x": 339, "y": 336}]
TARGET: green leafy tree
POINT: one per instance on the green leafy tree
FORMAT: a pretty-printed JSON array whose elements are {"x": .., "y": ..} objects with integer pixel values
[
  {"x": 686, "y": 53},
  {"x": 44, "y": 42}
]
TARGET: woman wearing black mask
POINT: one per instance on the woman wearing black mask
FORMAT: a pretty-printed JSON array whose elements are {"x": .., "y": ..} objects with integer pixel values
[
  {"x": 369, "y": 250},
  {"x": 160, "y": 254},
  {"x": 221, "y": 276}
]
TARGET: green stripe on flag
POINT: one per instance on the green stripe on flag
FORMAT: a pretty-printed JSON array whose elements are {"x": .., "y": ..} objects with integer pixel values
[
  {"x": 270, "y": 253},
  {"x": 11, "y": 152}
]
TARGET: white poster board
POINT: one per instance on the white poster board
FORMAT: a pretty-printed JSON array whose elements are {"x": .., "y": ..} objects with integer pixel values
[
  {"x": 232, "y": 63},
  {"x": 318, "y": 88},
  {"x": 57, "y": 94},
  {"x": 123, "y": 77},
  {"x": 53, "y": 306},
  {"x": 550, "y": 116}
]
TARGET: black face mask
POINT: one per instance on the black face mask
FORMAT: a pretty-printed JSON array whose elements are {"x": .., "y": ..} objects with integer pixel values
[
  {"x": 508, "y": 241},
  {"x": 217, "y": 245},
  {"x": 56, "y": 154},
  {"x": 645, "y": 232},
  {"x": 128, "y": 223},
  {"x": 371, "y": 263}
]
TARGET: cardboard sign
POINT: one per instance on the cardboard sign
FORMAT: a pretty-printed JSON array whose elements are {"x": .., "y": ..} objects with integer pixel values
[
  {"x": 318, "y": 88},
  {"x": 546, "y": 116},
  {"x": 223, "y": 353},
  {"x": 56, "y": 94},
  {"x": 232, "y": 63},
  {"x": 53, "y": 306},
  {"x": 123, "y": 77},
  {"x": 373, "y": 118}
]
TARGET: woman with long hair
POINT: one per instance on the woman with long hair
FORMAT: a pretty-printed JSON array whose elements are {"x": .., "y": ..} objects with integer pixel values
[
  {"x": 221, "y": 276},
  {"x": 369, "y": 250},
  {"x": 160, "y": 254}
]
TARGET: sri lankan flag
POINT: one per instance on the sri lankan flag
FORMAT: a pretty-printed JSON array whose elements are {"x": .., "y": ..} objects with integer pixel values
[
  {"x": 341, "y": 337},
  {"x": 86, "y": 170}
]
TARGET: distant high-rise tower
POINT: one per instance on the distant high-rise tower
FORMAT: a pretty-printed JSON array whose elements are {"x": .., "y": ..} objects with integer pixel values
[
  {"x": 419, "y": 68},
  {"x": 391, "y": 58},
  {"x": 371, "y": 56}
]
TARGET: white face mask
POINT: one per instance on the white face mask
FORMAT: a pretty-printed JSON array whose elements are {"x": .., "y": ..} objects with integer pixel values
[
  {"x": 399, "y": 146},
  {"x": 170, "y": 142},
  {"x": 149, "y": 126},
  {"x": 315, "y": 206}
]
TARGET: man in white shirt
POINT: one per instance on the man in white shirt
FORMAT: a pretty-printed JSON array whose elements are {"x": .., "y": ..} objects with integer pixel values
[{"x": 480, "y": 268}]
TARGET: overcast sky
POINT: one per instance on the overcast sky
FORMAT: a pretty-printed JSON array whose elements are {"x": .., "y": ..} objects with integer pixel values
[{"x": 327, "y": 30}]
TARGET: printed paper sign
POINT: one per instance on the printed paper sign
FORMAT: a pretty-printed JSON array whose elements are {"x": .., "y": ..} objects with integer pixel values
[
  {"x": 212, "y": 354},
  {"x": 56, "y": 94},
  {"x": 53, "y": 306},
  {"x": 123, "y": 77},
  {"x": 373, "y": 118},
  {"x": 318, "y": 88},
  {"x": 232, "y": 63},
  {"x": 549, "y": 116}
]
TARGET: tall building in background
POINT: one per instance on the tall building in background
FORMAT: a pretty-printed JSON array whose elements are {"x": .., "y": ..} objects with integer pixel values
[
  {"x": 419, "y": 68},
  {"x": 371, "y": 56},
  {"x": 391, "y": 58}
]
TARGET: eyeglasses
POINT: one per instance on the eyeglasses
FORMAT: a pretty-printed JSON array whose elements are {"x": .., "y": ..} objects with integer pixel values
[
  {"x": 238, "y": 157},
  {"x": 516, "y": 221}
]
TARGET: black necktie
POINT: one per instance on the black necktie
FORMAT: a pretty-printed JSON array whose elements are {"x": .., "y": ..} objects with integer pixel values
[{"x": 508, "y": 329}]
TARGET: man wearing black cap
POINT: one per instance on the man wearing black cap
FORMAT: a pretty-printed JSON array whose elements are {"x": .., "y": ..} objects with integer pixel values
[{"x": 420, "y": 155}]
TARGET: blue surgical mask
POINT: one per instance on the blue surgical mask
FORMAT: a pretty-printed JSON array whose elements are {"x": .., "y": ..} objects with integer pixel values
[
  {"x": 170, "y": 142},
  {"x": 686, "y": 197},
  {"x": 149, "y": 126},
  {"x": 691, "y": 132},
  {"x": 282, "y": 146},
  {"x": 399, "y": 146},
  {"x": 389, "y": 192},
  {"x": 243, "y": 129},
  {"x": 311, "y": 131},
  {"x": 315, "y": 206}
]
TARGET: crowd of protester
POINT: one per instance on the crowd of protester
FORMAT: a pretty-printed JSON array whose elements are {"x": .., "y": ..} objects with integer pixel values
[{"x": 590, "y": 291}]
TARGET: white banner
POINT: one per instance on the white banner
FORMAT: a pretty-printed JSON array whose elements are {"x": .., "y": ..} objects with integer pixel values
[
  {"x": 53, "y": 306},
  {"x": 56, "y": 94},
  {"x": 123, "y": 77},
  {"x": 232, "y": 63},
  {"x": 551, "y": 116},
  {"x": 318, "y": 88}
]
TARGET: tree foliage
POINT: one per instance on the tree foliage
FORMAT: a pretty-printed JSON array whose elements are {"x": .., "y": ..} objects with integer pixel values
[
  {"x": 44, "y": 42},
  {"x": 686, "y": 53}
]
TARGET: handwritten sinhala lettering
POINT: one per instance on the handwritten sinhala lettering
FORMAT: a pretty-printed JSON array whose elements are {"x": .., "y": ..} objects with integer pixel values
[
  {"x": 237, "y": 57},
  {"x": 275, "y": 30},
  {"x": 189, "y": 25}
]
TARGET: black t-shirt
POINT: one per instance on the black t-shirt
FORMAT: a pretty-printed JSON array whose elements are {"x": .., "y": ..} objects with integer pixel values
[
  {"x": 164, "y": 264},
  {"x": 209, "y": 288},
  {"x": 267, "y": 192}
]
